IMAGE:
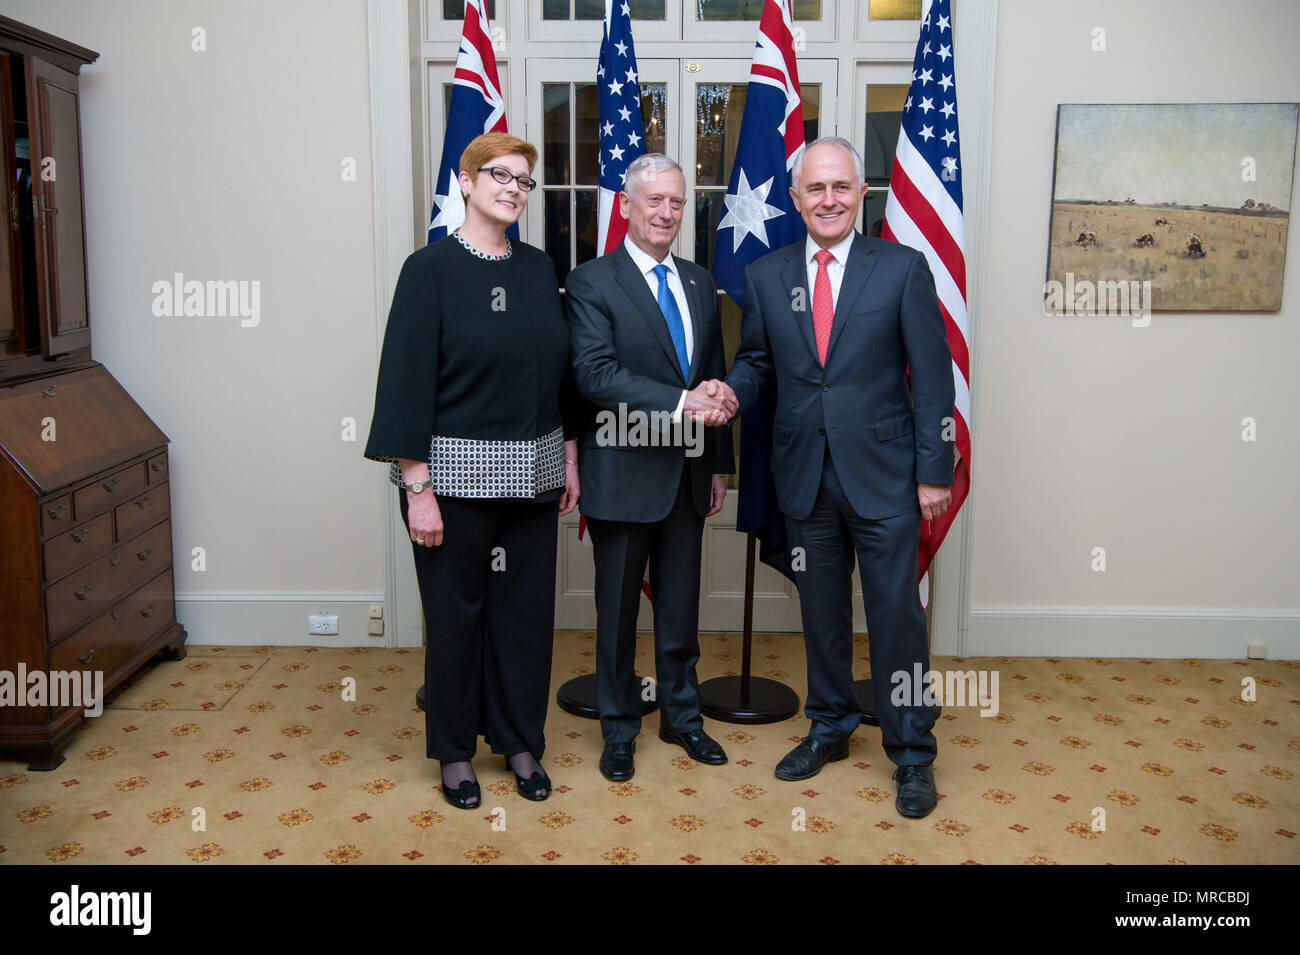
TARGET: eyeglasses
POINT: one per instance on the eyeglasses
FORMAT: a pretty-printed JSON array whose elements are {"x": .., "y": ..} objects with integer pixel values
[{"x": 503, "y": 175}]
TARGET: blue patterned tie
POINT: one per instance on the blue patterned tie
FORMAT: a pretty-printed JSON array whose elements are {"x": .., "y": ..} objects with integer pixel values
[{"x": 676, "y": 330}]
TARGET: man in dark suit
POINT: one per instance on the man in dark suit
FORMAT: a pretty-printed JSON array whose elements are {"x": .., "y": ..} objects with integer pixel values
[
  {"x": 644, "y": 334},
  {"x": 839, "y": 323}
]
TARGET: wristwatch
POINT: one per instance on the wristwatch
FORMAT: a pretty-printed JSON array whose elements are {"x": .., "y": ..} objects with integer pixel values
[{"x": 414, "y": 488}]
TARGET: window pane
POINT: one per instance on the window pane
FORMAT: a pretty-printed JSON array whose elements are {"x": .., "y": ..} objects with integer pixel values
[
  {"x": 718, "y": 109},
  {"x": 884, "y": 117},
  {"x": 555, "y": 133},
  {"x": 455, "y": 9},
  {"x": 587, "y": 134},
  {"x": 810, "y": 99},
  {"x": 709, "y": 206},
  {"x": 894, "y": 10},
  {"x": 753, "y": 9},
  {"x": 873, "y": 211},
  {"x": 595, "y": 9},
  {"x": 557, "y": 231},
  {"x": 654, "y": 116},
  {"x": 588, "y": 226}
]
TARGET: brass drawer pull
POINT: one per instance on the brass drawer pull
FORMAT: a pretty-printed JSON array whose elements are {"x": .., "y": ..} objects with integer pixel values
[
  {"x": 144, "y": 554},
  {"x": 83, "y": 592},
  {"x": 156, "y": 467},
  {"x": 80, "y": 535},
  {"x": 143, "y": 502},
  {"x": 115, "y": 560},
  {"x": 117, "y": 612},
  {"x": 110, "y": 484},
  {"x": 87, "y": 656},
  {"x": 56, "y": 513},
  {"x": 49, "y": 391},
  {"x": 147, "y": 611}
]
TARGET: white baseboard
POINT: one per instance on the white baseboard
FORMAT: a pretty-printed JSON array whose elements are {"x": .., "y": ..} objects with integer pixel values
[
  {"x": 280, "y": 619},
  {"x": 1154, "y": 633}
]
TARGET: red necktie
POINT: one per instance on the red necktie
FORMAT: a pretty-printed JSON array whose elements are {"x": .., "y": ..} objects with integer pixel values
[{"x": 823, "y": 305}]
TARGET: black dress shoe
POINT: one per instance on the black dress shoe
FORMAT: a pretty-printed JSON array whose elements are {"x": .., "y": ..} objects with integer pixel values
[
  {"x": 616, "y": 763},
  {"x": 917, "y": 796},
  {"x": 699, "y": 745},
  {"x": 808, "y": 758},
  {"x": 465, "y": 796}
]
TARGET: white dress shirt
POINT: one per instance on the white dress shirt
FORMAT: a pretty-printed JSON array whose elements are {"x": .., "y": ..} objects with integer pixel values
[
  {"x": 834, "y": 268},
  {"x": 646, "y": 263}
]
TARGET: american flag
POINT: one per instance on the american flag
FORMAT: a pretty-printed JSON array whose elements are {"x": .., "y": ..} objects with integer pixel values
[
  {"x": 924, "y": 211},
  {"x": 476, "y": 107},
  {"x": 761, "y": 217},
  {"x": 622, "y": 134},
  {"x": 622, "y": 139}
]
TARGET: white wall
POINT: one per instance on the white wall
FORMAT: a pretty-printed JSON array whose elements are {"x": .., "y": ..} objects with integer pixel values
[
  {"x": 226, "y": 165},
  {"x": 1094, "y": 433}
]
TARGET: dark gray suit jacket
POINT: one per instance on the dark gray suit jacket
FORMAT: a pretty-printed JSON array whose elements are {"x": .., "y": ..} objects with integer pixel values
[
  {"x": 622, "y": 353},
  {"x": 884, "y": 437}
]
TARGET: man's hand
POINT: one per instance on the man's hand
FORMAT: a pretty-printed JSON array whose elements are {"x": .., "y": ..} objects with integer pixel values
[
  {"x": 717, "y": 494},
  {"x": 713, "y": 403},
  {"x": 934, "y": 500}
]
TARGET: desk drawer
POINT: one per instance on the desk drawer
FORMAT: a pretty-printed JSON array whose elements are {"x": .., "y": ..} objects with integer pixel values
[
  {"x": 156, "y": 468},
  {"x": 56, "y": 515},
  {"x": 145, "y": 511},
  {"x": 77, "y": 547},
  {"x": 115, "y": 634},
  {"x": 86, "y": 593},
  {"x": 109, "y": 491}
]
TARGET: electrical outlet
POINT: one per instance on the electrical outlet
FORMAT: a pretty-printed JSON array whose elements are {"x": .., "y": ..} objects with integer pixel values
[
  {"x": 323, "y": 625},
  {"x": 1256, "y": 651},
  {"x": 376, "y": 611}
]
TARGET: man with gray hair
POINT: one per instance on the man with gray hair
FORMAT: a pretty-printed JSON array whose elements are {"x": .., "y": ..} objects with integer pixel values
[
  {"x": 645, "y": 337},
  {"x": 848, "y": 328}
]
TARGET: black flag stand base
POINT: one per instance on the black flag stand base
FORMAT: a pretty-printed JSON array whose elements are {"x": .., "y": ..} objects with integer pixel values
[
  {"x": 578, "y": 696},
  {"x": 745, "y": 698}
]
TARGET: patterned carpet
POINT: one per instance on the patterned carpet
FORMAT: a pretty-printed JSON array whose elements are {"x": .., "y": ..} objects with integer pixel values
[{"x": 248, "y": 755}]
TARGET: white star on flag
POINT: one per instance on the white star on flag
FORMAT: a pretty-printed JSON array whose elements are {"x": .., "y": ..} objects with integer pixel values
[
  {"x": 747, "y": 210},
  {"x": 451, "y": 207}
]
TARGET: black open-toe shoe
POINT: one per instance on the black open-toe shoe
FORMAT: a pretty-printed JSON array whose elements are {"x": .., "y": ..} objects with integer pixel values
[
  {"x": 536, "y": 787},
  {"x": 460, "y": 796}
]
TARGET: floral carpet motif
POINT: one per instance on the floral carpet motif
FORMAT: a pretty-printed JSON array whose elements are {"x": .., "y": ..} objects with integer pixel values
[{"x": 305, "y": 755}]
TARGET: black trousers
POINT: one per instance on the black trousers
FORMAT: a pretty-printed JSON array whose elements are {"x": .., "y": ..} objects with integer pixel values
[
  {"x": 886, "y": 552},
  {"x": 489, "y": 612},
  {"x": 621, "y": 549}
]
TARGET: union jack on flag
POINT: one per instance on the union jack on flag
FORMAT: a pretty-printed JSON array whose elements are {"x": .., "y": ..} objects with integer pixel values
[
  {"x": 924, "y": 211},
  {"x": 476, "y": 107}
]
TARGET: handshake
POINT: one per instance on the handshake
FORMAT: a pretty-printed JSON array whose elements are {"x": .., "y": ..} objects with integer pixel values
[{"x": 713, "y": 403}]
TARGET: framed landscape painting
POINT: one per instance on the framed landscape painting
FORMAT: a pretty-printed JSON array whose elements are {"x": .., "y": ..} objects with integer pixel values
[{"x": 1193, "y": 199}]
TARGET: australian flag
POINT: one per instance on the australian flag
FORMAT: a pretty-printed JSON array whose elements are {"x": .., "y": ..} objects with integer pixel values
[
  {"x": 761, "y": 217},
  {"x": 476, "y": 107}
]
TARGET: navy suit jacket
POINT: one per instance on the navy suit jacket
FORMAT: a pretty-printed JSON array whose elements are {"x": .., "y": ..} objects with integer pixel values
[
  {"x": 884, "y": 437},
  {"x": 622, "y": 354}
]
